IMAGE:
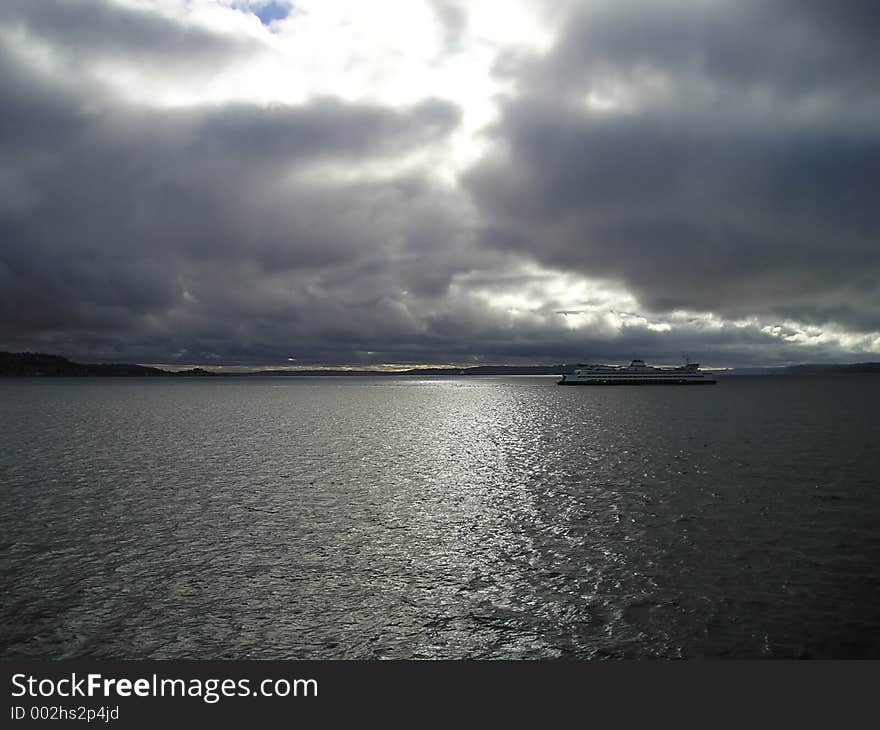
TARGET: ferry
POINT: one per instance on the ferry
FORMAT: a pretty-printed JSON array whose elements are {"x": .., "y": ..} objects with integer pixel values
[{"x": 637, "y": 373}]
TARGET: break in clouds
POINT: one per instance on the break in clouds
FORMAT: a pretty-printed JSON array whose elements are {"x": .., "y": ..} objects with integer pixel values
[{"x": 439, "y": 182}]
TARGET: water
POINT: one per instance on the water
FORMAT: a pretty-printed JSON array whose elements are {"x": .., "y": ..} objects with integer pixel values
[{"x": 438, "y": 518}]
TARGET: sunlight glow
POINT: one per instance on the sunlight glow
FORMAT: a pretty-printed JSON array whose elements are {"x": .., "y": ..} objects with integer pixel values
[{"x": 352, "y": 51}]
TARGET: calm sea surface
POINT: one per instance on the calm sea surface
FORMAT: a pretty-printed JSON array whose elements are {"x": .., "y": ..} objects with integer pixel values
[{"x": 438, "y": 517}]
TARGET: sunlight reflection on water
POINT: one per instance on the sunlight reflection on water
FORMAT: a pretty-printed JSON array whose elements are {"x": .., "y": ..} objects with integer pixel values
[{"x": 432, "y": 517}]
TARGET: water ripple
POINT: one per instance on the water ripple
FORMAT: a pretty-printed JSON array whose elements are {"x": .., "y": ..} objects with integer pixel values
[{"x": 433, "y": 518}]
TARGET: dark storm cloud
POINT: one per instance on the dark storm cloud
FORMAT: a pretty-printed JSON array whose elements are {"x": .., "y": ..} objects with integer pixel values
[
  {"x": 736, "y": 172},
  {"x": 85, "y": 31},
  {"x": 136, "y": 229},
  {"x": 741, "y": 220},
  {"x": 785, "y": 47}
]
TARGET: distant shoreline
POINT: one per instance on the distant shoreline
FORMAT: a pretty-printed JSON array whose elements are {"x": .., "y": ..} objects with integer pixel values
[{"x": 29, "y": 364}]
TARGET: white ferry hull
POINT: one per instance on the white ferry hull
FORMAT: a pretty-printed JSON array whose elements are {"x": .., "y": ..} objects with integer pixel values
[
  {"x": 637, "y": 373},
  {"x": 647, "y": 381}
]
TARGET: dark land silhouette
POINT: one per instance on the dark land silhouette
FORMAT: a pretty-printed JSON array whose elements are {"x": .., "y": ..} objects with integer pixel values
[{"x": 35, "y": 363}]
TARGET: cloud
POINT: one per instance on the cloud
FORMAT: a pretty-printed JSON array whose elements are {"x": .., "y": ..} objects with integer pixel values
[
  {"x": 85, "y": 32},
  {"x": 135, "y": 223},
  {"x": 717, "y": 157},
  {"x": 518, "y": 181}
]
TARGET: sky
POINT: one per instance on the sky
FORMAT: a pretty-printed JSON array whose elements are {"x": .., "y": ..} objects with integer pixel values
[{"x": 321, "y": 182}]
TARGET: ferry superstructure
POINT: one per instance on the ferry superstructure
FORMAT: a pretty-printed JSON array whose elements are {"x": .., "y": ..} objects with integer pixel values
[{"x": 637, "y": 373}]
